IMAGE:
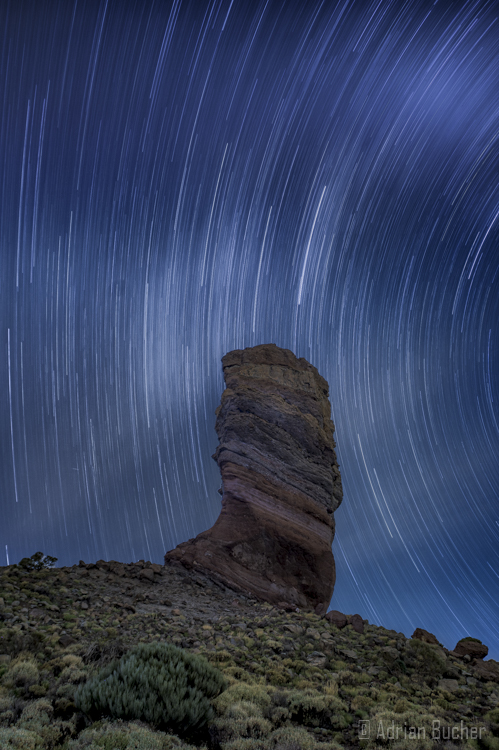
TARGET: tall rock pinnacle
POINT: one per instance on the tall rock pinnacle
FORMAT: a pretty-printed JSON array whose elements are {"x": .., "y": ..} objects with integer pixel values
[{"x": 281, "y": 482}]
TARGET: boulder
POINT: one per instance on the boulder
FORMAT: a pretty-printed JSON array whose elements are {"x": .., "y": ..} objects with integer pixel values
[
  {"x": 336, "y": 618},
  {"x": 280, "y": 481},
  {"x": 449, "y": 685},
  {"x": 390, "y": 654},
  {"x": 423, "y": 635},
  {"x": 317, "y": 659},
  {"x": 471, "y": 647},
  {"x": 357, "y": 623},
  {"x": 486, "y": 670}
]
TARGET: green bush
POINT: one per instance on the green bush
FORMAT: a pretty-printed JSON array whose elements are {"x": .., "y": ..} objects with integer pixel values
[
  {"x": 21, "y": 673},
  {"x": 157, "y": 683},
  {"x": 12, "y": 738},
  {"x": 125, "y": 736}
]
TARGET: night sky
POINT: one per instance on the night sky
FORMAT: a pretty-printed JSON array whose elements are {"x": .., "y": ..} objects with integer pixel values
[{"x": 183, "y": 179}]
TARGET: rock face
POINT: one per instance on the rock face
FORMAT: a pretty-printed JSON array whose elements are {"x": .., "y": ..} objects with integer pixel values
[
  {"x": 423, "y": 635},
  {"x": 471, "y": 647},
  {"x": 280, "y": 479}
]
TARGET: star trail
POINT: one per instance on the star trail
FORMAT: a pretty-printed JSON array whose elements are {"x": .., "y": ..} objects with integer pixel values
[{"x": 180, "y": 179}]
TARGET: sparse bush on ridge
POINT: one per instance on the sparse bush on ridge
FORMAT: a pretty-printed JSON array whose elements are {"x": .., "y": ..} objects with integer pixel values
[{"x": 38, "y": 561}]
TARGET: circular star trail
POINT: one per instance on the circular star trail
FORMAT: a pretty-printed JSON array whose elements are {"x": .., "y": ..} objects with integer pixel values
[{"x": 182, "y": 179}]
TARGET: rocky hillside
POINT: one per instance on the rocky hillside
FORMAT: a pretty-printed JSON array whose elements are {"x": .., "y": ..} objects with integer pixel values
[{"x": 294, "y": 679}]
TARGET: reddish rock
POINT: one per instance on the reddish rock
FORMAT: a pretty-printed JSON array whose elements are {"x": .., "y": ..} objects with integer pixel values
[
  {"x": 281, "y": 483},
  {"x": 475, "y": 649},
  {"x": 357, "y": 623},
  {"x": 486, "y": 670},
  {"x": 337, "y": 618},
  {"x": 423, "y": 635}
]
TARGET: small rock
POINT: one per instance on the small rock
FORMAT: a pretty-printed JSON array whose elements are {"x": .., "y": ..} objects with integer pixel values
[
  {"x": 84, "y": 605},
  {"x": 317, "y": 659},
  {"x": 156, "y": 568},
  {"x": 336, "y": 618},
  {"x": 292, "y": 627},
  {"x": 5, "y": 658},
  {"x": 37, "y": 612},
  {"x": 423, "y": 635},
  {"x": 450, "y": 685},
  {"x": 374, "y": 670},
  {"x": 348, "y": 653},
  {"x": 66, "y": 640},
  {"x": 147, "y": 574}
]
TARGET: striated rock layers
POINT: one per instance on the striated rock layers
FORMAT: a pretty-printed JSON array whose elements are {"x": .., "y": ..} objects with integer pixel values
[{"x": 280, "y": 479}]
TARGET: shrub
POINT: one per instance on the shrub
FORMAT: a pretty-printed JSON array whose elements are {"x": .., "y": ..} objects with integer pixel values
[
  {"x": 124, "y": 736},
  {"x": 21, "y": 673},
  {"x": 228, "y": 729},
  {"x": 425, "y": 659},
  {"x": 493, "y": 718},
  {"x": 156, "y": 682},
  {"x": 20, "y": 739},
  {"x": 311, "y": 708},
  {"x": 412, "y": 728},
  {"x": 38, "y": 561},
  {"x": 241, "y": 691}
]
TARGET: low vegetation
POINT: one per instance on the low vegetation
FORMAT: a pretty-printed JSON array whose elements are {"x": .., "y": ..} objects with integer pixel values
[{"x": 95, "y": 661}]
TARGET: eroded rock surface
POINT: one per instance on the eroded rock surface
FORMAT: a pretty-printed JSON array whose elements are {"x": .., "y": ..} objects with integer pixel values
[{"x": 280, "y": 479}]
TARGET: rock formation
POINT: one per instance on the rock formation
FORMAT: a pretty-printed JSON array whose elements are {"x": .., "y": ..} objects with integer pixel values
[
  {"x": 280, "y": 480},
  {"x": 471, "y": 647},
  {"x": 423, "y": 635}
]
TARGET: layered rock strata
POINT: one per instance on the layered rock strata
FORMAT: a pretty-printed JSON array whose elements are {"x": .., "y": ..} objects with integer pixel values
[{"x": 280, "y": 482}]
